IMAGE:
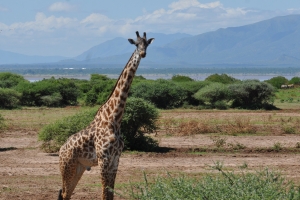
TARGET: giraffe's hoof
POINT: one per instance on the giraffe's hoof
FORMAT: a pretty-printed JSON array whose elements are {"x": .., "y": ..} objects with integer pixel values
[{"x": 88, "y": 168}]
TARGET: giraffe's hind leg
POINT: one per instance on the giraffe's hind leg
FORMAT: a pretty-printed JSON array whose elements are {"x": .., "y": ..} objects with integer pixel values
[{"x": 71, "y": 174}]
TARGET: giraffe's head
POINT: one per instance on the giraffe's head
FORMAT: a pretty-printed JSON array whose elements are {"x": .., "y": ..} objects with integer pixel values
[{"x": 141, "y": 43}]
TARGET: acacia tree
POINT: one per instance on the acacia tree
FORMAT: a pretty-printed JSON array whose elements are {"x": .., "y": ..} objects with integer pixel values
[
  {"x": 215, "y": 94},
  {"x": 277, "y": 81},
  {"x": 251, "y": 94}
]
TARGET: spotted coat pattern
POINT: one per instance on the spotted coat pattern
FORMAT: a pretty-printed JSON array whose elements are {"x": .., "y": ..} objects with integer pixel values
[{"x": 101, "y": 142}]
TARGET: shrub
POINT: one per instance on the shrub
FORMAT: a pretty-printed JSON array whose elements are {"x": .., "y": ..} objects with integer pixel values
[
  {"x": 213, "y": 94},
  {"x": 191, "y": 87},
  {"x": 223, "y": 78},
  {"x": 9, "y": 98},
  {"x": 295, "y": 80},
  {"x": 9, "y": 80},
  {"x": 3, "y": 125},
  {"x": 180, "y": 78},
  {"x": 49, "y": 92},
  {"x": 139, "y": 118},
  {"x": 277, "y": 81},
  {"x": 251, "y": 94},
  {"x": 163, "y": 94}
]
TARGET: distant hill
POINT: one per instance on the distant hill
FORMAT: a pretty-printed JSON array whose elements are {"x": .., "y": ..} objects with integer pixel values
[
  {"x": 7, "y": 57},
  {"x": 273, "y": 42},
  {"x": 119, "y": 46}
]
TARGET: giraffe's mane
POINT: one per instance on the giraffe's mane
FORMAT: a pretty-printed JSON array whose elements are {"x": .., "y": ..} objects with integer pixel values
[{"x": 117, "y": 81}]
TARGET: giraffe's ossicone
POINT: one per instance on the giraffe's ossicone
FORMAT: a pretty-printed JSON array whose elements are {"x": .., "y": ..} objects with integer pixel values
[{"x": 101, "y": 142}]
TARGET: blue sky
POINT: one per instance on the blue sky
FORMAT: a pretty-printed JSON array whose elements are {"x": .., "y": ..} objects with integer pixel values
[{"x": 68, "y": 28}]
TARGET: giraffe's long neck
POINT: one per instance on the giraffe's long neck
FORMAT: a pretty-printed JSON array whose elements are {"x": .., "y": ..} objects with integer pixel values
[{"x": 115, "y": 105}]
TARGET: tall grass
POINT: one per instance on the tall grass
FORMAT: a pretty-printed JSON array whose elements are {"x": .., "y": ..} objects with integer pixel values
[{"x": 263, "y": 184}]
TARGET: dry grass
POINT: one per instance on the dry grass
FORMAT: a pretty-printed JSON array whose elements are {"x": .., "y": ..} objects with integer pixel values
[
  {"x": 33, "y": 118},
  {"x": 231, "y": 122}
]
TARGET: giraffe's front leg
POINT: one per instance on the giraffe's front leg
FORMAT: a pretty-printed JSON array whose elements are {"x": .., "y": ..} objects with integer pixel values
[{"x": 108, "y": 171}]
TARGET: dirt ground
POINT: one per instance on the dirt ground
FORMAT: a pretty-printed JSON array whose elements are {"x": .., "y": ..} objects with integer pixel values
[{"x": 28, "y": 173}]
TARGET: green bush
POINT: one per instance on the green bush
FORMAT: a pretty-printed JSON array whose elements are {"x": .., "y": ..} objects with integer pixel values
[
  {"x": 277, "y": 81},
  {"x": 55, "y": 134},
  {"x": 180, "y": 78},
  {"x": 9, "y": 80},
  {"x": 251, "y": 94},
  {"x": 139, "y": 118},
  {"x": 9, "y": 98},
  {"x": 191, "y": 87},
  {"x": 163, "y": 94},
  {"x": 49, "y": 92},
  {"x": 295, "y": 80},
  {"x": 223, "y": 78},
  {"x": 215, "y": 94},
  {"x": 3, "y": 125},
  {"x": 100, "y": 89}
]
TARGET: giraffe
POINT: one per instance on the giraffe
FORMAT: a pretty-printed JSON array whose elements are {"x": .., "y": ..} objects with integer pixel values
[{"x": 101, "y": 142}]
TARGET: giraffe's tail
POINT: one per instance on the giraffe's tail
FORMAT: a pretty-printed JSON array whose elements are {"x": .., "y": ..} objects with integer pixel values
[{"x": 59, "y": 195}]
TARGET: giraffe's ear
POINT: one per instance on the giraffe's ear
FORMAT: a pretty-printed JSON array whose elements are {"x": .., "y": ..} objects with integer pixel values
[
  {"x": 131, "y": 41},
  {"x": 150, "y": 41}
]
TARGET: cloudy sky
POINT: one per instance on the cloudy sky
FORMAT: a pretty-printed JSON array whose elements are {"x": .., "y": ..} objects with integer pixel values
[{"x": 68, "y": 28}]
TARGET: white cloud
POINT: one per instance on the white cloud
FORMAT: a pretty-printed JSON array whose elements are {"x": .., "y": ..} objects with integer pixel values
[
  {"x": 61, "y": 7},
  {"x": 186, "y": 16}
]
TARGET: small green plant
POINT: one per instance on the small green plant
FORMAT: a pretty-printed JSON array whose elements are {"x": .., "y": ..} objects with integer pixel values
[
  {"x": 277, "y": 146},
  {"x": 288, "y": 129},
  {"x": 298, "y": 145},
  {"x": 3, "y": 125}
]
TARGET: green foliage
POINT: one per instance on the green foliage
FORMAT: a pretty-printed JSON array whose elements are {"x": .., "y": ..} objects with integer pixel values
[
  {"x": 191, "y": 87},
  {"x": 3, "y": 125},
  {"x": 139, "y": 118},
  {"x": 49, "y": 92},
  {"x": 9, "y": 98},
  {"x": 251, "y": 94},
  {"x": 263, "y": 184},
  {"x": 9, "y": 80},
  {"x": 101, "y": 87},
  {"x": 277, "y": 81},
  {"x": 163, "y": 94},
  {"x": 213, "y": 93},
  {"x": 223, "y": 78},
  {"x": 180, "y": 78},
  {"x": 295, "y": 80},
  {"x": 55, "y": 134}
]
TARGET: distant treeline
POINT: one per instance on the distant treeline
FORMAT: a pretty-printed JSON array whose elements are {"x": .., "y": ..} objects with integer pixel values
[{"x": 216, "y": 91}]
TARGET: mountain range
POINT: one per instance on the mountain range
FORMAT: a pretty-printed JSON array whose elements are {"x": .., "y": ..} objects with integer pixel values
[{"x": 270, "y": 42}]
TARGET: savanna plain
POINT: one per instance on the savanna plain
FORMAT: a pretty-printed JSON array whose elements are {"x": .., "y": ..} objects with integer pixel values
[{"x": 192, "y": 141}]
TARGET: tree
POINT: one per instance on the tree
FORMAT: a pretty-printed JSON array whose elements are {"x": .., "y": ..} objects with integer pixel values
[
  {"x": 223, "y": 78},
  {"x": 180, "y": 78},
  {"x": 213, "y": 93},
  {"x": 251, "y": 94},
  {"x": 139, "y": 118},
  {"x": 277, "y": 81},
  {"x": 295, "y": 80},
  {"x": 162, "y": 93},
  {"x": 9, "y": 98},
  {"x": 9, "y": 80}
]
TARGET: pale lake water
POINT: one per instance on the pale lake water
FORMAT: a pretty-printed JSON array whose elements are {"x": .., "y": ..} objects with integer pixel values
[{"x": 198, "y": 77}]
